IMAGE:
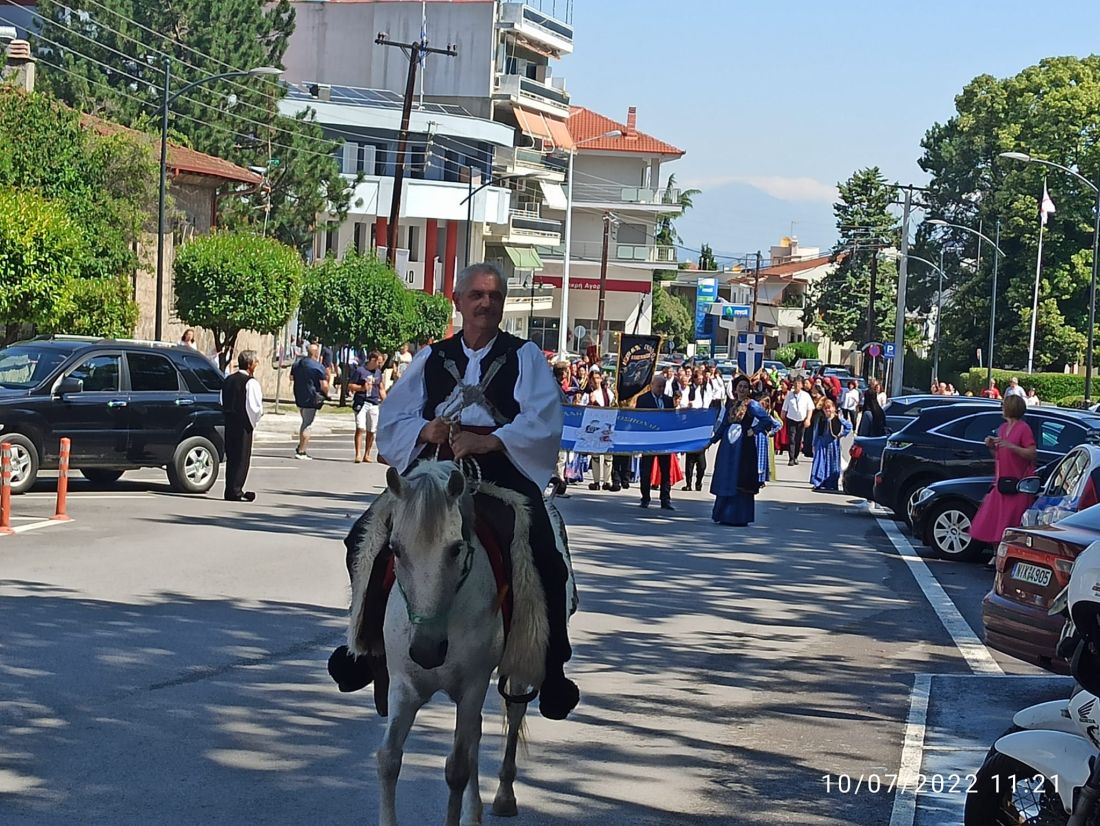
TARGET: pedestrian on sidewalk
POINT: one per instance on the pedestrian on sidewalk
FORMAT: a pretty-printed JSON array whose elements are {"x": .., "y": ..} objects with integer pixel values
[
  {"x": 369, "y": 392},
  {"x": 310, "y": 392},
  {"x": 242, "y": 401},
  {"x": 850, "y": 402},
  {"x": 797, "y": 410},
  {"x": 736, "y": 481},
  {"x": 1014, "y": 452},
  {"x": 873, "y": 420},
  {"x": 655, "y": 399},
  {"x": 828, "y": 431}
]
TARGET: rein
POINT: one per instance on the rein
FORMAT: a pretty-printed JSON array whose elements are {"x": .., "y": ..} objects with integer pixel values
[{"x": 423, "y": 619}]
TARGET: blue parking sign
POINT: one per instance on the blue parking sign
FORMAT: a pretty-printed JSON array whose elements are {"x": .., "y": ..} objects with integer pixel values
[{"x": 888, "y": 351}]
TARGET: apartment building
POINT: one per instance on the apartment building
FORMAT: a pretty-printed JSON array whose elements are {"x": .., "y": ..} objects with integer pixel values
[
  {"x": 503, "y": 72},
  {"x": 618, "y": 177}
]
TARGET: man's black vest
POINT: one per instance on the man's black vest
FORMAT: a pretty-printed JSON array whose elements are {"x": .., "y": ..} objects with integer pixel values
[
  {"x": 501, "y": 392},
  {"x": 234, "y": 399}
]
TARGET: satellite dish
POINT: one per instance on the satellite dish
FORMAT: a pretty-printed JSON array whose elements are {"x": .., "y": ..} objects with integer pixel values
[{"x": 579, "y": 331}]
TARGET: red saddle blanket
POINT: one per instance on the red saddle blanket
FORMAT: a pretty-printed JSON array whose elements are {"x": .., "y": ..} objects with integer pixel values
[{"x": 499, "y": 559}]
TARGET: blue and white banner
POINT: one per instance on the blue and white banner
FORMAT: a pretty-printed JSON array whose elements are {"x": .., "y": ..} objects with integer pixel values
[
  {"x": 750, "y": 352},
  {"x": 615, "y": 430}
]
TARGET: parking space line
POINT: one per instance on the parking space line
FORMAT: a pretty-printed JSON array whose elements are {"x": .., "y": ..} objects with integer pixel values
[
  {"x": 33, "y": 526},
  {"x": 904, "y": 811},
  {"x": 973, "y": 650}
]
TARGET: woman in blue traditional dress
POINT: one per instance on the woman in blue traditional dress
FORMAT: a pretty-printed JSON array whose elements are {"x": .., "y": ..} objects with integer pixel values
[
  {"x": 736, "y": 474},
  {"x": 829, "y": 429}
]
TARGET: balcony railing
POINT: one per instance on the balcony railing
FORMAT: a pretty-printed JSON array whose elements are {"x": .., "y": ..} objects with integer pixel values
[
  {"x": 526, "y": 225},
  {"x": 523, "y": 89},
  {"x": 536, "y": 23},
  {"x": 610, "y": 193},
  {"x": 531, "y": 159},
  {"x": 593, "y": 251}
]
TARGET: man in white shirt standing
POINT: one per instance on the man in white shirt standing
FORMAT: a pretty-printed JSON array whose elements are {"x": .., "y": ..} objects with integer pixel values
[
  {"x": 243, "y": 403},
  {"x": 797, "y": 410},
  {"x": 1014, "y": 389}
]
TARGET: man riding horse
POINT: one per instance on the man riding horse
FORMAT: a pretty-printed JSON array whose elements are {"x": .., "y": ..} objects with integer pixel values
[{"x": 489, "y": 396}]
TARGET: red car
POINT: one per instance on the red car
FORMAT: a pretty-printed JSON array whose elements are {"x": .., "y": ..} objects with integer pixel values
[{"x": 1033, "y": 565}]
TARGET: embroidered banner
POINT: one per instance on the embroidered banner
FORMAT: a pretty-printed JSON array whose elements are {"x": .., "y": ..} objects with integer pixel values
[
  {"x": 637, "y": 363},
  {"x": 626, "y": 430}
]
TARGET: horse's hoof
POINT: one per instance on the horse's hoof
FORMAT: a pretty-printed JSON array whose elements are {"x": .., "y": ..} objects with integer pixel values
[{"x": 505, "y": 807}]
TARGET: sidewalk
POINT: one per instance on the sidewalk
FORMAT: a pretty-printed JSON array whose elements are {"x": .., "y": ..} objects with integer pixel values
[{"x": 283, "y": 426}]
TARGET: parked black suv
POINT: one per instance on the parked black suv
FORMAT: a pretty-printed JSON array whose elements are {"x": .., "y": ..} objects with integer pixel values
[
  {"x": 123, "y": 405},
  {"x": 949, "y": 443}
]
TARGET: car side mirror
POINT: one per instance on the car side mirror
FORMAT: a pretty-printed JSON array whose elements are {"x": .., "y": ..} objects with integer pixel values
[
  {"x": 1031, "y": 485},
  {"x": 70, "y": 385}
]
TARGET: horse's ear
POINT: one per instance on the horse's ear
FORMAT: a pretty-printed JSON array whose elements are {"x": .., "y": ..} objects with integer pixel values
[
  {"x": 456, "y": 484},
  {"x": 395, "y": 482}
]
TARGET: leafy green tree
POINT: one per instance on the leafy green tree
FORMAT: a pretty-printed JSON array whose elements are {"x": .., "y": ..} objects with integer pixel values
[
  {"x": 1051, "y": 111},
  {"x": 41, "y": 251},
  {"x": 665, "y": 234},
  {"x": 102, "y": 306},
  {"x": 706, "y": 259},
  {"x": 236, "y": 119},
  {"x": 838, "y": 304},
  {"x": 429, "y": 316},
  {"x": 671, "y": 318},
  {"x": 229, "y": 282},
  {"x": 356, "y": 300},
  {"x": 106, "y": 184}
]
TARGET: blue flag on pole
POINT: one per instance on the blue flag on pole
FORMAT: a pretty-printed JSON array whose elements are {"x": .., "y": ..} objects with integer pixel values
[{"x": 750, "y": 352}]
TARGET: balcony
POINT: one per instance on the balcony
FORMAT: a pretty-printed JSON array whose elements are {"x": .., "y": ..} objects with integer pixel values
[
  {"x": 534, "y": 95},
  {"x": 622, "y": 253},
  {"x": 527, "y": 23},
  {"x": 525, "y": 228},
  {"x": 625, "y": 197},
  {"x": 549, "y": 167}
]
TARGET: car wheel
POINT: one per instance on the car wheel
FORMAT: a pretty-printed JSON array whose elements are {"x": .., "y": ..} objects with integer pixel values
[
  {"x": 24, "y": 462},
  {"x": 194, "y": 467},
  {"x": 101, "y": 476},
  {"x": 905, "y": 502},
  {"x": 948, "y": 532}
]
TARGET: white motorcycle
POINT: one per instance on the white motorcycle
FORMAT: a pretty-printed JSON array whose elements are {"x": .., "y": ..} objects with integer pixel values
[{"x": 1045, "y": 772}]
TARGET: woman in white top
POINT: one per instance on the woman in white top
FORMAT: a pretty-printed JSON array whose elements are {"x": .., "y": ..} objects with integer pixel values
[
  {"x": 1032, "y": 399},
  {"x": 849, "y": 403},
  {"x": 697, "y": 395},
  {"x": 597, "y": 394}
]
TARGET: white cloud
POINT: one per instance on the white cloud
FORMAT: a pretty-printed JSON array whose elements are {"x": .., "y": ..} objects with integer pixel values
[{"x": 781, "y": 187}]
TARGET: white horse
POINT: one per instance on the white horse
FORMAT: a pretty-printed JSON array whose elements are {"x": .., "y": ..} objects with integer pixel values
[{"x": 443, "y": 632}]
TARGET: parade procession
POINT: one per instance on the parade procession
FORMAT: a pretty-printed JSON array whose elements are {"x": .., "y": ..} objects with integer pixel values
[{"x": 392, "y": 432}]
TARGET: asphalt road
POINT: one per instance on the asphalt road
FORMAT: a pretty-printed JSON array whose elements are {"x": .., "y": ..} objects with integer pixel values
[{"x": 162, "y": 660}]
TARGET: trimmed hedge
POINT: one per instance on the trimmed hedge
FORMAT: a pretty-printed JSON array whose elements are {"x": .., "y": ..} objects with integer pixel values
[{"x": 1049, "y": 386}]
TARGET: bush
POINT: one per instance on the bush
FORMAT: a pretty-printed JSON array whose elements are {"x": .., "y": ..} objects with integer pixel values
[
  {"x": 228, "y": 282},
  {"x": 356, "y": 300},
  {"x": 786, "y": 354},
  {"x": 1049, "y": 386},
  {"x": 804, "y": 349},
  {"x": 1076, "y": 402},
  {"x": 100, "y": 307},
  {"x": 429, "y": 316}
]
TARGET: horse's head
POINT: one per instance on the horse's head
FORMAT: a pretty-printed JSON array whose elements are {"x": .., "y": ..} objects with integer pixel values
[{"x": 430, "y": 536}]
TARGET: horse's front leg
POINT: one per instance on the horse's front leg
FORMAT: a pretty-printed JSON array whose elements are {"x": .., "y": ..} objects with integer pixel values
[
  {"x": 504, "y": 804},
  {"x": 462, "y": 779},
  {"x": 404, "y": 702}
]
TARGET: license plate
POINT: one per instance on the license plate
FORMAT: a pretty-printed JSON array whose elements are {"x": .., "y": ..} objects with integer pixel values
[{"x": 1033, "y": 574}]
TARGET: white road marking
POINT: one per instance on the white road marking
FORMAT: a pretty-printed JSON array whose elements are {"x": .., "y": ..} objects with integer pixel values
[
  {"x": 912, "y": 754},
  {"x": 33, "y": 526},
  {"x": 973, "y": 650}
]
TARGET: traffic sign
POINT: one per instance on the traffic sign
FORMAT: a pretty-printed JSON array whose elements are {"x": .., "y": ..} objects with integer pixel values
[
  {"x": 874, "y": 351},
  {"x": 888, "y": 350}
]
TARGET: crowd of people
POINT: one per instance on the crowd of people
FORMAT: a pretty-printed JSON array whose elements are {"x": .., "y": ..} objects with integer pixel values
[{"x": 1030, "y": 396}]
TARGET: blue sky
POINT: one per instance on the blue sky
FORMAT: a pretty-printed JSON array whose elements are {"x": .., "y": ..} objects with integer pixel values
[{"x": 775, "y": 102}]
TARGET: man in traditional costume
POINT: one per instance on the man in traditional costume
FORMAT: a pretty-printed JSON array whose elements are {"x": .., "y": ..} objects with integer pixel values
[{"x": 489, "y": 396}]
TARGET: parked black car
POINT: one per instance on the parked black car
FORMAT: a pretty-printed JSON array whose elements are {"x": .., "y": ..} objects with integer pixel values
[
  {"x": 123, "y": 405},
  {"x": 865, "y": 454},
  {"x": 948, "y": 442}
]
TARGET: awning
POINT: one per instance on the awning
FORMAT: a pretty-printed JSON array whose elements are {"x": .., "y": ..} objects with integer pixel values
[
  {"x": 535, "y": 124},
  {"x": 524, "y": 258},
  {"x": 554, "y": 195}
]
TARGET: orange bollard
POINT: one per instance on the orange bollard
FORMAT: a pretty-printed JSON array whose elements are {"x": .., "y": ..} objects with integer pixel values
[
  {"x": 5, "y": 488},
  {"x": 62, "y": 481}
]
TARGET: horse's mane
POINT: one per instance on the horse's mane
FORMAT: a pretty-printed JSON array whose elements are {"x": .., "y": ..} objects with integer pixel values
[{"x": 426, "y": 503}]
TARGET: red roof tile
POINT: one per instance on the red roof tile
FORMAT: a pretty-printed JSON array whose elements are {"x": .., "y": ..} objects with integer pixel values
[
  {"x": 586, "y": 125},
  {"x": 181, "y": 159},
  {"x": 791, "y": 267}
]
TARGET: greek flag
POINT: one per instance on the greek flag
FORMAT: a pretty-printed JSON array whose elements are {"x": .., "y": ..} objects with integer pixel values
[
  {"x": 614, "y": 430},
  {"x": 423, "y": 31}
]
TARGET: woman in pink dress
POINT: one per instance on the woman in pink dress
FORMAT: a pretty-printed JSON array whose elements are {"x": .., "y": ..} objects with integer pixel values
[{"x": 1014, "y": 450}]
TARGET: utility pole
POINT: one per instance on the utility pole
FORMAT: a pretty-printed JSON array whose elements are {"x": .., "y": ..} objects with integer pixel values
[
  {"x": 755, "y": 290},
  {"x": 603, "y": 281},
  {"x": 869, "y": 334},
  {"x": 897, "y": 374},
  {"x": 416, "y": 50}
]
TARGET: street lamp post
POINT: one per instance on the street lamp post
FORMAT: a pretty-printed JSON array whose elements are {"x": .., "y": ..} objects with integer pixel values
[
  {"x": 997, "y": 254},
  {"x": 167, "y": 99},
  {"x": 1026, "y": 158},
  {"x": 563, "y": 320},
  {"x": 939, "y": 300},
  {"x": 469, "y": 199}
]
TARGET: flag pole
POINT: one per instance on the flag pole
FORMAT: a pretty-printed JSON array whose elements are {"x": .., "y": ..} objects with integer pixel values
[{"x": 1038, "y": 271}]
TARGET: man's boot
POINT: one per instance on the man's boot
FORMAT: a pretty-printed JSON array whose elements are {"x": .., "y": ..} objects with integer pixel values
[
  {"x": 558, "y": 695},
  {"x": 351, "y": 673}
]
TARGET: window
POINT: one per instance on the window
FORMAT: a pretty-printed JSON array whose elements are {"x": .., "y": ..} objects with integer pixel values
[
  {"x": 1056, "y": 436},
  {"x": 208, "y": 374},
  {"x": 1067, "y": 474},
  {"x": 544, "y": 332},
  {"x": 150, "y": 372},
  {"x": 973, "y": 428},
  {"x": 99, "y": 374},
  {"x": 414, "y": 243},
  {"x": 631, "y": 234},
  {"x": 332, "y": 239}
]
